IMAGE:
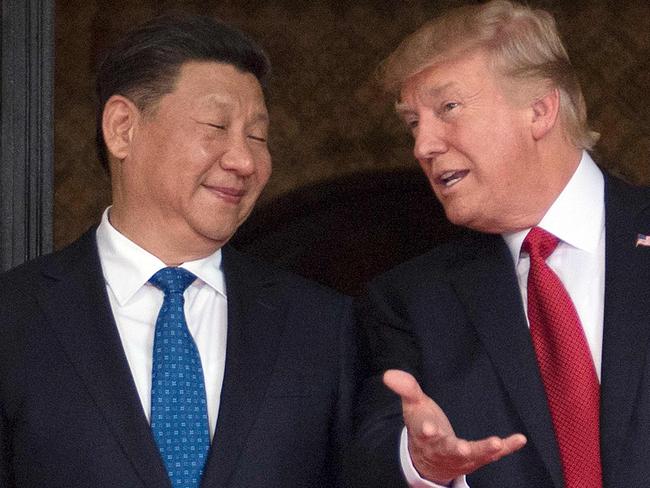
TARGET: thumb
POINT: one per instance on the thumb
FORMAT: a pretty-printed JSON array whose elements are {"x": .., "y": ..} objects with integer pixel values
[{"x": 405, "y": 385}]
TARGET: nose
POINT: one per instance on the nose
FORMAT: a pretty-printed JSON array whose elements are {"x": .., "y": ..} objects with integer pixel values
[
  {"x": 430, "y": 140},
  {"x": 238, "y": 157}
]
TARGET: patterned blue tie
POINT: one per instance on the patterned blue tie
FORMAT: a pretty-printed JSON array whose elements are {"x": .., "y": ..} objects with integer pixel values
[{"x": 179, "y": 415}]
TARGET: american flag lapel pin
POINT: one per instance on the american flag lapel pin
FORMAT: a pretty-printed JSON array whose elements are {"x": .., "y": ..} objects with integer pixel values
[{"x": 642, "y": 240}]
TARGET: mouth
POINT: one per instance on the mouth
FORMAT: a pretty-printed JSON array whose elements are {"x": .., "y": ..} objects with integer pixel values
[
  {"x": 450, "y": 178},
  {"x": 228, "y": 194}
]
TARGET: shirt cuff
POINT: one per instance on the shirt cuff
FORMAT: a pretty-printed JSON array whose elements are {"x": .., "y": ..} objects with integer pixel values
[{"x": 411, "y": 474}]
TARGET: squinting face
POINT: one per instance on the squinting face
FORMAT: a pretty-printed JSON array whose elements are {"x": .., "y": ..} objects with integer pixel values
[
  {"x": 200, "y": 160},
  {"x": 474, "y": 145}
]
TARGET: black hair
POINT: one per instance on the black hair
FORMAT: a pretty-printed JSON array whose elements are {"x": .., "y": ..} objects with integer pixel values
[{"x": 144, "y": 65}]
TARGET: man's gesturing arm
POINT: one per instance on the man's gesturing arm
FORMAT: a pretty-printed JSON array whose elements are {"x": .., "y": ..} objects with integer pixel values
[{"x": 436, "y": 452}]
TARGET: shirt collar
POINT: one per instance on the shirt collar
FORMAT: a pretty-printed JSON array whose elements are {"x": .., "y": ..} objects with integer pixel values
[
  {"x": 127, "y": 267},
  {"x": 577, "y": 216}
]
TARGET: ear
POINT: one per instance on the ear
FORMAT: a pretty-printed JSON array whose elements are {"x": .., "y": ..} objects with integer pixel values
[
  {"x": 545, "y": 111},
  {"x": 118, "y": 122}
]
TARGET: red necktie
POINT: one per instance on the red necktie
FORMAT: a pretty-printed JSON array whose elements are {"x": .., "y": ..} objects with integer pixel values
[{"x": 566, "y": 366}]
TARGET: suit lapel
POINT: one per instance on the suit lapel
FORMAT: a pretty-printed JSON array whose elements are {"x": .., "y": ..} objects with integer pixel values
[
  {"x": 79, "y": 313},
  {"x": 627, "y": 308},
  {"x": 255, "y": 322},
  {"x": 487, "y": 285}
]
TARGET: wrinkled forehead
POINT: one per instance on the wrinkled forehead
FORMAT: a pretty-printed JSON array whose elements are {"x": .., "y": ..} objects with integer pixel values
[
  {"x": 421, "y": 93},
  {"x": 466, "y": 72}
]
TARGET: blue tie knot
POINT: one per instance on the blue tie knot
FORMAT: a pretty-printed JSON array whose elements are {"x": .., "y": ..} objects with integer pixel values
[{"x": 172, "y": 280}]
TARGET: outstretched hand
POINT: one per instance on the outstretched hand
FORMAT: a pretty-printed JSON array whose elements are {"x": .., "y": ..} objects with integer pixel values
[{"x": 436, "y": 452}]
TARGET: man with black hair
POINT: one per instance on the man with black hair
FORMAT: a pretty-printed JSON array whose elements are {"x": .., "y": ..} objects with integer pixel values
[{"x": 149, "y": 353}]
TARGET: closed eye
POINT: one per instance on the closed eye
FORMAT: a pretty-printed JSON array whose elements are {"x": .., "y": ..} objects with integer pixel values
[
  {"x": 257, "y": 138},
  {"x": 218, "y": 126}
]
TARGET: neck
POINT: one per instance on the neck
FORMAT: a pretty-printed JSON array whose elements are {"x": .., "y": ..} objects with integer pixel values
[
  {"x": 170, "y": 247},
  {"x": 554, "y": 166},
  {"x": 558, "y": 163}
]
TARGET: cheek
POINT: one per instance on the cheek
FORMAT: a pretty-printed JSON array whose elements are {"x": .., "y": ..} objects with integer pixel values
[
  {"x": 199, "y": 162},
  {"x": 204, "y": 150},
  {"x": 427, "y": 169},
  {"x": 264, "y": 166},
  {"x": 264, "y": 179}
]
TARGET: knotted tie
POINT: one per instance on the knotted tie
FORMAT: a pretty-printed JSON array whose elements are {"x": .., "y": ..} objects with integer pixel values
[
  {"x": 179, "y": 416},
  {"x": 565, "y": 364}
]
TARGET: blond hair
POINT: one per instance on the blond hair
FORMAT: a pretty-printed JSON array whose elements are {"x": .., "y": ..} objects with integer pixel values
[{"x": 523, "y": 45}]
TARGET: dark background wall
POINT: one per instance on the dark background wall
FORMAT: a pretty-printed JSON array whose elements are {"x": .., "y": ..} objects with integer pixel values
[{"x": 327, "y": 121}]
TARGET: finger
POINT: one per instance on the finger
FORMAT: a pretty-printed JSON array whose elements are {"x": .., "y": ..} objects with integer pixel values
[
  {"x": 479, "y": 453},
  {"x": 423, "y": 417},
  {"x": 501, "y": 447},
  {"x": 405, "y": 385},
  {"x": 513, "y": 443},
  {"x": 449, "y": 457}
]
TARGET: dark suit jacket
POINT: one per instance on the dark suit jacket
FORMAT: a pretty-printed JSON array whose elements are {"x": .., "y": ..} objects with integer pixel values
[
  {"x": 455, "y": 318},
  {"x": 70, "y": 415}
]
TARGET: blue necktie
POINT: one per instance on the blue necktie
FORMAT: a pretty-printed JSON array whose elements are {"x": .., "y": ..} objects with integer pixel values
[{"x": 179, "y": 415}]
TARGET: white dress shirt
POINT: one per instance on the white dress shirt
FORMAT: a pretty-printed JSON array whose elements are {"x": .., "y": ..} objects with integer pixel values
[
  {"x": 577, "y": 218},
  {"x": 135, "y": 304}
]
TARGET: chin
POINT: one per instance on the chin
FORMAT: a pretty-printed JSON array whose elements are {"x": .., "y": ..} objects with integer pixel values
[
  {"x": 458, "y": 217},
  {"x": 221, "y": 236},
  {"x": 214, "y": 235},
  {"x": 469, "y": 221}
]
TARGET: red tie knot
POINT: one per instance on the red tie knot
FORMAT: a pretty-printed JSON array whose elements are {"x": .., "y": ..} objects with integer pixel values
[{"x": 539, "y": 243}]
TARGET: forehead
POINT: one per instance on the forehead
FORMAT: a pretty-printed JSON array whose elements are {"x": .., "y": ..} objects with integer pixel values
[
  {"x": 460, "y": 75},
  {"x": 208, "y": 84}
]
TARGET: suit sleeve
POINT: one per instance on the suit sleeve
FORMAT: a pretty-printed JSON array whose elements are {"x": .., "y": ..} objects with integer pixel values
[
  {"x": 385, "y": 342},
  {"x": 347, "y": 386}
]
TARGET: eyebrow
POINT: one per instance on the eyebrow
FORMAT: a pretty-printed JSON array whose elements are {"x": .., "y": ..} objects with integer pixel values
[
  {"x": 403, "y": 108},
  {"x": 260, "y": 117}
]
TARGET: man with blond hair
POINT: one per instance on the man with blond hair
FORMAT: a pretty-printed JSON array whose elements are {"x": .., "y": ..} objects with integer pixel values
[{"x": 516, "y": 355}]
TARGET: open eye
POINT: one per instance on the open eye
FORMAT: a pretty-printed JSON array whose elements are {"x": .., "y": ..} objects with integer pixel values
[
  {"x": 411, "y": 123},
  {"x": 449, "y": 106}
]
